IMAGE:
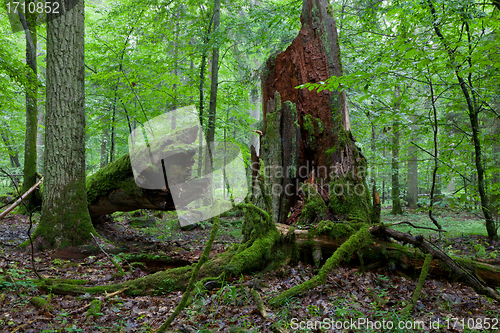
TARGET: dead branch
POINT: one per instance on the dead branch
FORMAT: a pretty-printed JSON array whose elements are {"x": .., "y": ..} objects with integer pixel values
[
  {"x": 416, "y": 227},
  {"x": 425, "y": 246},
  {"x": 15, "y": 204}
]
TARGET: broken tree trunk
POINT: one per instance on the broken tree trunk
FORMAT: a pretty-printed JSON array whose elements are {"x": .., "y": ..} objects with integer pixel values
[
  {"x": 116, "y": 188},
  {"x": 307, "y": 135},
  {"x": 113, "y": 188}
]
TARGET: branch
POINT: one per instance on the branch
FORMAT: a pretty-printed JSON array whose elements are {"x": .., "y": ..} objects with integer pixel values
[{"x": 416, "y": 227}]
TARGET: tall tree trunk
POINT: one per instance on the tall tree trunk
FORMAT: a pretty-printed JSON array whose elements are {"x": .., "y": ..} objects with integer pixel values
[
  {"x": 104, "y": 148},
  {"x": 412, "y": 196},
  {"x": 29, "y": 173},
  {"x": 202, "y": 82},
  {"x": 214, "y": 81},
  {"x": 39, "y": 141},
  {"x": 65, "y": 219},
  {"x": 495, "y": 179},
  {"x": 436, "y": 161},
  {"x": 307, "y": 135},
  {"x": 396, "y": 201}
]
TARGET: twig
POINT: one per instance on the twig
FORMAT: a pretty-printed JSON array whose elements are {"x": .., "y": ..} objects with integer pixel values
[
  {"x": 22, "y": 325},
  {"x": 117, "y": 266},
  {"x": 194, "y": 276},
  {"x": 416, "y": 227},
  {"x": 101, "y": 298}
]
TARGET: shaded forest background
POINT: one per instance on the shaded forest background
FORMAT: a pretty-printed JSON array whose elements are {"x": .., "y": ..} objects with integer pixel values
[{"x": 145, "y": 58}]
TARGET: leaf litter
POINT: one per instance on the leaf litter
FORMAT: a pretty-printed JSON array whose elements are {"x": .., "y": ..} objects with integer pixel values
[{"x": 348, "y": 295}]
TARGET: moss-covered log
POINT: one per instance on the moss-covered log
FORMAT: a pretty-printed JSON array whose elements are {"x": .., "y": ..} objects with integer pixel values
[
  {"x": 116, "y": 187},
  {"x": 329, "y": 236},
  {"x": 113, "y": 188}
]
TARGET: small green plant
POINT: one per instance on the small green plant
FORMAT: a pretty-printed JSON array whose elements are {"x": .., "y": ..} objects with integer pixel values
[
  {"x": 314, "y": 310},
  {"x": 480, "y": 250},
  {"x": 60, "y": 262}
]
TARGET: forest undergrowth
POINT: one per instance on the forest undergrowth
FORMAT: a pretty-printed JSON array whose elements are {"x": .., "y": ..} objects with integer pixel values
[{"x": 151, "y": 243}]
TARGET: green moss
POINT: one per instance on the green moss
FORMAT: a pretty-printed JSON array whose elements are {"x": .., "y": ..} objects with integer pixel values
[
  {"x": 41, "y": 303},
  {"x": 333, "y": 229},
  {"x": 418, "y": 289},
  {"x": 314, "y": 207},
  {"x": 94, "y": 309},
  {"x": 293, "y": 144},
  {"x": 350, "y": 197},
  {"x": 66, "y": 222},
  {"x": 272, "y": 153},
  {"x": 308, "y": 124},
  {"x": 343, "y": 253},
  {"x": 255, "y": 255},
  {"x": 114, "y": 175}
]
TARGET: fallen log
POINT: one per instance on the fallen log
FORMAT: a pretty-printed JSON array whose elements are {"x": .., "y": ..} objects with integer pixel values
[
  {"x": 114, "y": 187},
  {"x": 383, "y": 251}
]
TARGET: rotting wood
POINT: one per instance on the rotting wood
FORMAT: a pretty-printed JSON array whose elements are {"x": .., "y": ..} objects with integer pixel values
[
  {"x": 454, "y": 266},
  {"x": 487, "y": 271}
]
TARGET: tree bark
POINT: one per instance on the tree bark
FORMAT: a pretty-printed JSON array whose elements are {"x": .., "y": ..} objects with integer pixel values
[
  {"x": 13, "y": 155},
  {"x": 65, "y": 219},
  {"x": 212, "y": 109},
  {"x": 412, "y": 196},
  {"x": 396, "y": 201},
  {"x": 30, "y": 153},
  {"x": 308, "y": 134}
]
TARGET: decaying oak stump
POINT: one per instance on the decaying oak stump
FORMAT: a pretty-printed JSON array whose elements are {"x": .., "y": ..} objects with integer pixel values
[{"x": 307, "y": 135}]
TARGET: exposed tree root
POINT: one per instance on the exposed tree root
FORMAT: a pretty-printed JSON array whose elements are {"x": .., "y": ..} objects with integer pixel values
[
  {"x": 344, "y": 252},
  {"x": 418, "y": 289},
  {"x": 192, "y": 280},
  {"x": 268, "y": 245}
]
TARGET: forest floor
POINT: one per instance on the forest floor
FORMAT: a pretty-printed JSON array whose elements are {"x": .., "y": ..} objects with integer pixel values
[{"x": 348, "y": 298}]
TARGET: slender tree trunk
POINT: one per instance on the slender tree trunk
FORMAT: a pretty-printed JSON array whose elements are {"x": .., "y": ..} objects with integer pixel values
[
  {"x": 383, "y": 177},
  {"x": 396, "y": 201},
  {"x": 495, "y": 179},
  {"x": 65, "y": 219},
  {"x": 104, "y": 147},
  {"x": 13, "y": 154},
  {"x": 412, "y": 196},
  {"x": 212, "y": 111},
  {"x": 39, "y": 141},
  {"x": 436, "y": 161},
  {"x": 29, "y": 178},
  {"x": 473, "y": 111},
  {"x": 202, "y": 81}
]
